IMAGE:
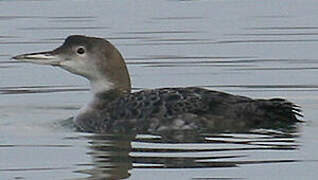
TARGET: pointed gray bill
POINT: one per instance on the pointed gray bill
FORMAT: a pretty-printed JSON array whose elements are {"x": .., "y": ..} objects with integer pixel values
[{"x": 46, "y": 58}]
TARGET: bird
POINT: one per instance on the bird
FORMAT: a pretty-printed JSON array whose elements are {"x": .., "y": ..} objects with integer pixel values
[{"x": 115, "y": 108}]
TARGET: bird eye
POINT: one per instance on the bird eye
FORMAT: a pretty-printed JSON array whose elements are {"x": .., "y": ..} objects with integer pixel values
[{"x": 80, "y": 50}]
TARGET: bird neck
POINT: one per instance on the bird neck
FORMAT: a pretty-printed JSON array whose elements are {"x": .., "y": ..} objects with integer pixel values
[
  {"x": 101, "y": 85},
  {"x": 111, "y": 73}
]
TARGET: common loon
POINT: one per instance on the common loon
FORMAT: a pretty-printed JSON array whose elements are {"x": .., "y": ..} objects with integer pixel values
[{"x": 115, "y": 108}]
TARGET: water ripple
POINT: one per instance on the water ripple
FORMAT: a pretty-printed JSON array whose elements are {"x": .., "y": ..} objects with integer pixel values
[{"x": 40, "y": 89}]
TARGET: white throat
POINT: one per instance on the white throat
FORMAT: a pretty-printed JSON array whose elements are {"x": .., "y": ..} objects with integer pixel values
[
  {"x": 97, "y": 86},
  {"x": 101, "y": 85}
]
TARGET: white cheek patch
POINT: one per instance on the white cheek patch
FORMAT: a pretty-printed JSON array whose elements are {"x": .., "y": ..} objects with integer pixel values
[
  {"x": 99, "y": 82},
  {"x": 79, "y": 67}
]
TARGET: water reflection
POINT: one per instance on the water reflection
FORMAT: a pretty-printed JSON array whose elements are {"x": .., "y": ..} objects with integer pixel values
[
  {"x": 115, "y": 155},
  {"x": 110, "y": 157}
]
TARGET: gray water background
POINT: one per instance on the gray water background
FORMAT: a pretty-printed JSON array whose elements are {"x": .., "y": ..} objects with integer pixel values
[{"x": 255, "y": 48}]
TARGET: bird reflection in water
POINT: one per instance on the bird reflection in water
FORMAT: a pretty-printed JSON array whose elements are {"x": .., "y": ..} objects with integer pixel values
[{"x": 115, "y": 155}]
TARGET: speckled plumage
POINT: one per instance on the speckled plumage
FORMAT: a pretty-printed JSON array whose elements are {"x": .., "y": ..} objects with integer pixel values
[{"x": 183, "y": 109}]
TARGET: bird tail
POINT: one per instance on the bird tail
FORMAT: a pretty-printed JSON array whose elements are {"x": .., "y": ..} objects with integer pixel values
[{"x": 284, "y": 110}]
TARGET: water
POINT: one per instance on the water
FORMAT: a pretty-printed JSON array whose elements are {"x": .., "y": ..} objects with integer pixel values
[{"x": 254, "y": 48}]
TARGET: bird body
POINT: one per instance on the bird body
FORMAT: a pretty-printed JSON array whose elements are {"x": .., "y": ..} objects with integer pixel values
[{"x": 190, "y": 108}]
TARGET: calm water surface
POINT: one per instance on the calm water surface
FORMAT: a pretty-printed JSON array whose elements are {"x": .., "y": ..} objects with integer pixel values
[{"x": 255, "y": 48}]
